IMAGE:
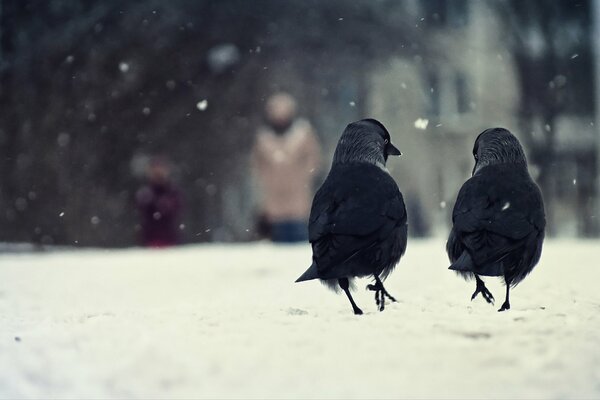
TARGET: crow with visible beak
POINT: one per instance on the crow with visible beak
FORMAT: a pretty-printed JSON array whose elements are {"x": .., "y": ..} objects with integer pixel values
[
  {"x": 357, "y": 225},
  {"x": 498, "y": 219}
]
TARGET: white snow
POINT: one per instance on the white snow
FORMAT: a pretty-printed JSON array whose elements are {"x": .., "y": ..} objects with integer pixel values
[{"x": 227, "y": 321}]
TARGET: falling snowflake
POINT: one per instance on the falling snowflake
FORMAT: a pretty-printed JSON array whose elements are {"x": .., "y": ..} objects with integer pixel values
[
  {"x": 63, "y": 139},
  {"x": 123, "y": 67},
  {"x": 421, "y": 123},
  {"x": 202, "y": 105},
  {"x": 442, "y": 204},
  {"x": 62, "y": 214},
  {"x": 506, "y": 206},
  {"x": 352, "y": 104}
]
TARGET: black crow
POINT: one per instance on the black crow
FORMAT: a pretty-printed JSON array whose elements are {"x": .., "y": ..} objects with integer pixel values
[
  {"x": 357, "y": 223},
  {"x": 498, "y": 219}
]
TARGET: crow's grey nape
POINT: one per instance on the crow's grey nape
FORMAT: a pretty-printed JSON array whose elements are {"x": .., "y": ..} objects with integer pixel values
[
  {"x": 498, "y": 146},
  {"x": 360, "y": 143}
]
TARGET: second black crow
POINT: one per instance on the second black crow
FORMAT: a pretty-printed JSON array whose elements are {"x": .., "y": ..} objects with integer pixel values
[
  {"x": 357, "y": 223},
  {"x": 498, "y": 219}
]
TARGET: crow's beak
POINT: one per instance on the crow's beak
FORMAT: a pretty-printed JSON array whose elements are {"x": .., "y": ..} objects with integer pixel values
[{"x": 391, "y": 150}]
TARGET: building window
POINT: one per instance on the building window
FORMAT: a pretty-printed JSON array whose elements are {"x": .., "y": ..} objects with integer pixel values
[
  {"x": 462, "y": 93},
  {"x": 458, "y": 13},
  {"x": 446, "y": 13},
  {"x": 432, "y": 87}
]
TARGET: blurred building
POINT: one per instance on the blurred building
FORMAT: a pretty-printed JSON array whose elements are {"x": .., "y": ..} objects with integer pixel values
[
  {"x": 467, "y": 80},
  {"x": 437, "y": 103}
]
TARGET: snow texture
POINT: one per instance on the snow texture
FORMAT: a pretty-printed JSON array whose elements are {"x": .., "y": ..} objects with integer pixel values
[{"x": 227, "y": 321}]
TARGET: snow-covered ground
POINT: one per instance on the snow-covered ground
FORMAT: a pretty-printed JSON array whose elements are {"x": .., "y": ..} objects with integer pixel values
[{"x": 226, "y": 321}]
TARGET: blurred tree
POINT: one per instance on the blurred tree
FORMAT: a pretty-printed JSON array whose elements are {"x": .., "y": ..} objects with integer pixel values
[{"x": 85, "y": 86}]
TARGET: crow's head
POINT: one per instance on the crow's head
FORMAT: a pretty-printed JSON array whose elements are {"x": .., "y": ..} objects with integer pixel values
[
  {"x": 366, "y": 140},
  {"x": 497, "y": 146}
]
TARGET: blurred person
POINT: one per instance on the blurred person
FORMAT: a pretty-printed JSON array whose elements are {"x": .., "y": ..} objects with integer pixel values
[
  {"x": 285, "y": 158},
  {"x": 159, "y": 205}
]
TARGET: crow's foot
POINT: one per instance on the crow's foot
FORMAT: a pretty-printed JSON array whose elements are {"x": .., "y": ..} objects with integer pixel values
[
  {"x": 380, "y": 294},
  {"x": 345, "y": 285},
  {"x": 487, "y": 295},
  {"x": 357, "y": 311},
  {"x": 505, "y": 306}
]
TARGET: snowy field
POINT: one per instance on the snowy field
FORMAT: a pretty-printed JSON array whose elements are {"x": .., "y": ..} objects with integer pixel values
[{"x": 224, "y": 321}]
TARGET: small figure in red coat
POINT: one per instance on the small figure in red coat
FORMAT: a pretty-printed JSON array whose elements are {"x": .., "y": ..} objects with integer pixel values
[{"x": 159, "y": 204}]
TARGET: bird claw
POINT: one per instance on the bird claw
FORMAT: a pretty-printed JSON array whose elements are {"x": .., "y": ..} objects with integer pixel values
[
  {"x": 485, "y": 293},
  {"x": 380, "y": 295}
]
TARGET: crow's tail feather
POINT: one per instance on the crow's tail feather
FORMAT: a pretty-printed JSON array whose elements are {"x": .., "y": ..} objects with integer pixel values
[
  {"x": 464, "y": 263},
  {"x": 465, "y": 266},
  {"x": 309, "y": 274}
]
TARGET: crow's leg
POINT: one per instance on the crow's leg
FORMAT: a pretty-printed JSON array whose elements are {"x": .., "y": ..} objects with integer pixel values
[
  {"x": 506, "y": 305},
  {"x": 380, "y": 293},
  {"x": 344, "y": 284},
  {"x": 480, "y": 288}
]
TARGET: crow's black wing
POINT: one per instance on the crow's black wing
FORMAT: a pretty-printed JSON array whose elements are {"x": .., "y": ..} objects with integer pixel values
[
  {"x": 454, "y": 246},
  {"x": 497, "y": 211},
  {"x": 358, "y": 206}
]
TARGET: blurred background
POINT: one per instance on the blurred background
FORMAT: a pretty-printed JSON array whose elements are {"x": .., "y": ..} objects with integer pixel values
[{"x": 115, "y": 115}]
